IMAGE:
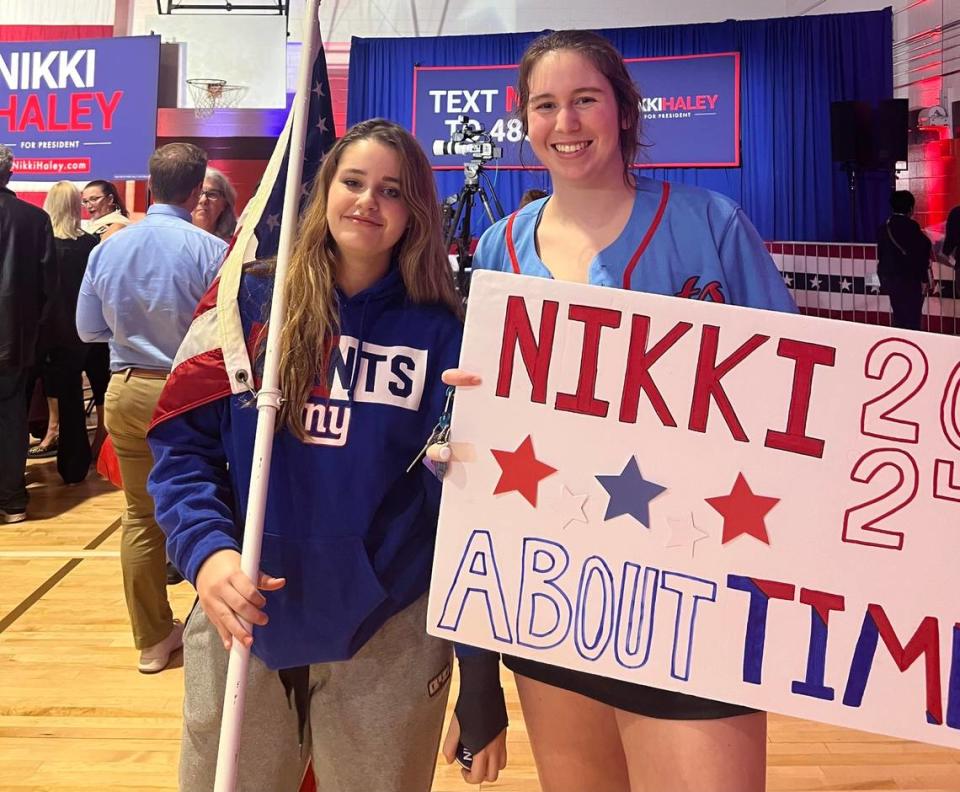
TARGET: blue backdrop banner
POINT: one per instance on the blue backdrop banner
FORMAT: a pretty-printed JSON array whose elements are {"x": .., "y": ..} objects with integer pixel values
[
  {"x": 80, "y": 109},
  {"x": 791, "y": 69},
  {"x": 691, "y": 110}
]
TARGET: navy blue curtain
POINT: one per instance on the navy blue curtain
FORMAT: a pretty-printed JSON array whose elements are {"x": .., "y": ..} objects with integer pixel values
[{"x": 791, "y": 70}]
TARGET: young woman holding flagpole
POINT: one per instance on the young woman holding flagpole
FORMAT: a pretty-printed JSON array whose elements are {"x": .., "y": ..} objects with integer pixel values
[{"x": 370, "y": 319}]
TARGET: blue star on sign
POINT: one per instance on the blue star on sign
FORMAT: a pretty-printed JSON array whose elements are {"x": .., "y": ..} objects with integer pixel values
[{"x": 630, "y": 493}]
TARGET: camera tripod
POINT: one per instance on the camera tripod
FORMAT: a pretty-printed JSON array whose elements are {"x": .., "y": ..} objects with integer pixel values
[{"x": 457, "y": 222}]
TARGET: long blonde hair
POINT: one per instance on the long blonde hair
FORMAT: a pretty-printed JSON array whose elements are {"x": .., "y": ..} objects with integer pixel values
[
  {"x": 312, "y": 321},
  {"x": 63, "y": 205}
]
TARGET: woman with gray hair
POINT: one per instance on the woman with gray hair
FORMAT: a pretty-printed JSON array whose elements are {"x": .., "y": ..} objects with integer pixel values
[{"x": 215, "y": 211}]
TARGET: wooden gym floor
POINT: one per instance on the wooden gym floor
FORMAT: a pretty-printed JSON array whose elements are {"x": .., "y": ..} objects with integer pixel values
[{"x": 75, "y": 716}]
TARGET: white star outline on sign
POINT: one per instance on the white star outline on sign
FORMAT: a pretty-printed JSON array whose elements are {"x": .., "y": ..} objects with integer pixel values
[
  {"x": 788, "y": 280},
  {"x": 845, "y": 285},
  {"x": 816, "y": 283},
  {"x": 568, "y": 508},
  {"x": 684, "y": 533}
]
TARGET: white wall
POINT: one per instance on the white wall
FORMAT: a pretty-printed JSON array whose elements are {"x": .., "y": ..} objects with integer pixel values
[
  {"x": 538, "y": 14},
  {"x": 802, "y": 7}
]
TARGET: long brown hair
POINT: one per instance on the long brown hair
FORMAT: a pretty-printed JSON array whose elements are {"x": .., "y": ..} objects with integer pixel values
[
  {"x": 312, "y": 321},
  {"x": 606, "y": 60}
]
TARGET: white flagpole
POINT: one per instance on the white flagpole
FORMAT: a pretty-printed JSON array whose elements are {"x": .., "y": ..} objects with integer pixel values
[{"x": 268, "y": 403}]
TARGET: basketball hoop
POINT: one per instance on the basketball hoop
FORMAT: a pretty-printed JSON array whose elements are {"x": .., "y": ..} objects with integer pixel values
[{"x": 210, "y": 94}]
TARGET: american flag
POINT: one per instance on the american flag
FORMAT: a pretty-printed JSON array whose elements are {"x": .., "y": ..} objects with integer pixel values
[{"x": 213, "y": 361}]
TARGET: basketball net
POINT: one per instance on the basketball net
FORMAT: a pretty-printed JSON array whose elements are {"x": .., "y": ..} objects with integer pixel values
[{"x": 210, "y": 95}]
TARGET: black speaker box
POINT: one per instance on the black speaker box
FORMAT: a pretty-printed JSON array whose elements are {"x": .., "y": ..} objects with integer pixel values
[
  {"x": 890, "y": 132},
  {"x": 850, "y": 136}
]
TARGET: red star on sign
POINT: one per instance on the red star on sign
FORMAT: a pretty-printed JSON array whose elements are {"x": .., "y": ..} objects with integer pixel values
[
  {"x": 743, "y": 512},
  {"x": 521, "y": 471}
]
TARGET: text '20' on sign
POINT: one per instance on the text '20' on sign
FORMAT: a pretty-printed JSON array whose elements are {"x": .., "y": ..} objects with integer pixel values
[{"x": 750, "y": 506}]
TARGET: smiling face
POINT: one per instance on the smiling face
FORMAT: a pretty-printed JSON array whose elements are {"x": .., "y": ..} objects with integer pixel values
[
  {"x": 96, "y": 202},
  {"x": 366, "y": 212},
  {"x": 210, "y": 206},
  {"x": 573, "y": 121}
]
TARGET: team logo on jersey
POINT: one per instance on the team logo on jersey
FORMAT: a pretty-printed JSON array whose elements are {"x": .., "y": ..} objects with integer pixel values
[
  {"x": 326, "y": 422},
  {"x": 390, "y": 375},
  {"x": 712, "y": 292}
]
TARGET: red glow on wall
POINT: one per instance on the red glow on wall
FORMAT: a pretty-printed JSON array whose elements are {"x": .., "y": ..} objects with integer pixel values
[{"x": 934, "y": 178}]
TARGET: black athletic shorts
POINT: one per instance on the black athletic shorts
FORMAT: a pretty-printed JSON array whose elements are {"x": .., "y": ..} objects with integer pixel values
[{"x": 638, "y": 699}]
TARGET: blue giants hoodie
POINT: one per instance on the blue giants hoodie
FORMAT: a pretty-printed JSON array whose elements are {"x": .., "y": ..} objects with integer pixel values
[{"x": 346, "y": 525}]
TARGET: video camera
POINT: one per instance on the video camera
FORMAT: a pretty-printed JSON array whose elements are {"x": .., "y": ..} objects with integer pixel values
[{"x": 468, "y": 139}]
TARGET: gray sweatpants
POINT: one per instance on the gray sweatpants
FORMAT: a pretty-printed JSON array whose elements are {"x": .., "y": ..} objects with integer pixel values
[{"x": 374, "y": 725}]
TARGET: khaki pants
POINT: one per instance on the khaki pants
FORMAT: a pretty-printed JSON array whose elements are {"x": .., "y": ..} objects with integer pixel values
[{"x": 129, "y": 405}]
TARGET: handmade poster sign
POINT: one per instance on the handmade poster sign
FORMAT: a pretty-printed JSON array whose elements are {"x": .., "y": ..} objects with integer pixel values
[{"x": 750, "y": 506}]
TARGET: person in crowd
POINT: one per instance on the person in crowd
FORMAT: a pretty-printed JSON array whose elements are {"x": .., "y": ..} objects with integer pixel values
[
  {"x": 28, "y": 277},
  {"x": 372, "y": 321},
  {"x": 107, "y": 216},
  {"x": 903, "y": 261},
  {"x": 215, "y": 212},
  {"x": 533, "y": 194},
  {"x": 107, "y": 213},
  {"x": 139, "y": 293},
  {"x": 951, "y": 240},
  {"x": 61, "y": 354},
  {"x": 605, "y": 225}
]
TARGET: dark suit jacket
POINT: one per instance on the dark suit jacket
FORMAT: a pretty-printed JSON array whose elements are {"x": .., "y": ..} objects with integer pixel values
[{"x": 27, "y": 277}]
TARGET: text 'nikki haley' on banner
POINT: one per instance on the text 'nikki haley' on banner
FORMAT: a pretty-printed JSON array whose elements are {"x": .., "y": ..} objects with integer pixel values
[
  {"x": 744, "y": 505},
  {"x": 690, "y": 110},
  {"x": 79, "y": 109}
]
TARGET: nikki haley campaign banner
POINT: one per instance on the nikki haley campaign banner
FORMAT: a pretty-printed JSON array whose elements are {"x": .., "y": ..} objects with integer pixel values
[
  {"x": 690, "y": 110},
  {"x": 79, "y": 109},
  {"x": 749, "y": 506}
]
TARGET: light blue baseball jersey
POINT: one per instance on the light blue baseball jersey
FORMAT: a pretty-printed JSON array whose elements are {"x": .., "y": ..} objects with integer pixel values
[{"x": 679, "y": 240}]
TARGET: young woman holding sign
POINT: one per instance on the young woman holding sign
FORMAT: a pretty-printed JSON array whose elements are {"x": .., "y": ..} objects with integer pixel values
[
  {"x": 604, "y": 225},
  {"x": 373, "y": 319}
]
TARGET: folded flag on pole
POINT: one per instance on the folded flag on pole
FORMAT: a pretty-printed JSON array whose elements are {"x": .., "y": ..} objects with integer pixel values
[{"x": 212, "y": 361}]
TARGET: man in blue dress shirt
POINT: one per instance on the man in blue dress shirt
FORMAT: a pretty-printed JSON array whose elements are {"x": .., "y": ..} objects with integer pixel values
[{"x": 139, "y": 293}]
